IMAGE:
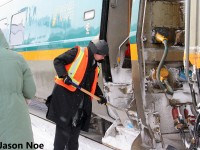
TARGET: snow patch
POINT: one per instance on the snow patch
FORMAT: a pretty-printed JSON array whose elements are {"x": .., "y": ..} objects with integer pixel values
[{"x": 44, "y": 133}]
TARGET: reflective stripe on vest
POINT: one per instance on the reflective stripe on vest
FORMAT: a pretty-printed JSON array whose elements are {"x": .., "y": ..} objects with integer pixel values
[
  {"x": 76, "y": 69},
  {"x": 77, "y": 76},
  {"x": 80, "y": 63},
  {"x": 94, "y": 85}
]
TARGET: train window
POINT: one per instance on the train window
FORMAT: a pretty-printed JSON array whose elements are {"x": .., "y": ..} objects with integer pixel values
[
  {"x": 4, "y": 26},
  {"x": 17, "y": 28},
  {"x": 88, "y": 15}
]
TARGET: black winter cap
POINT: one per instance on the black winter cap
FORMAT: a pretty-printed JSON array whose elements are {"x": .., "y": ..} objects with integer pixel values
[{"x": 99, "y": 47}]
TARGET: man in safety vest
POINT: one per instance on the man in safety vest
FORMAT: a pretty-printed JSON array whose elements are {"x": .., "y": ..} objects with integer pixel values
[{"x": 68, "y": 107}]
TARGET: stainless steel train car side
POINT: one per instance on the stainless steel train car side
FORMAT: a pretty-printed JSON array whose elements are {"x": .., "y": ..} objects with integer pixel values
[{"x": 151, "y": 74}]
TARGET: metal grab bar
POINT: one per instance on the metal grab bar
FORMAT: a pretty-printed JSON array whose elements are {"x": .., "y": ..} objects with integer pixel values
[
  {"x": 187, "y": 37},
  {"x": 119, "y": 64}
]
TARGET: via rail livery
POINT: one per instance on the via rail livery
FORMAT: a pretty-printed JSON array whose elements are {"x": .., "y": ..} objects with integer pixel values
[
  {"x": 41, "y": 30},
  {"x": 151, "y": 75}
]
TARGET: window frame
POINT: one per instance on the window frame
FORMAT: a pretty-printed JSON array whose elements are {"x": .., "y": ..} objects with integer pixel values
[
  {"x": 84, "y": 18},
  {"x": 23, "y": 24}
]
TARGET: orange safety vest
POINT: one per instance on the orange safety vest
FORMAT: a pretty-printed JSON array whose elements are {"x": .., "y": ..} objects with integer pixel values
[{"x": 76, "y": 71}]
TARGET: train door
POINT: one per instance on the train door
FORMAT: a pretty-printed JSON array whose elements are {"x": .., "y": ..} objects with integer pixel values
[
  {"x": 117, "y": 72},
  {"x": 115, "y": 28}
]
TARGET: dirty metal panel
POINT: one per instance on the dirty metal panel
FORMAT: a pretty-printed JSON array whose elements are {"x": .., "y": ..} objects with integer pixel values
[
  {"x": 166, "y": 14},
  {"x": 156, "y": 54}
]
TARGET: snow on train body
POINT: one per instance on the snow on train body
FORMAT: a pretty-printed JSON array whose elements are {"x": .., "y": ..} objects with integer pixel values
[{"x": 151, "y": 74}]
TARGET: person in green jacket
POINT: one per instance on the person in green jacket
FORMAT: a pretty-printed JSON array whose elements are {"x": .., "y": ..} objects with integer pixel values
[{"x": 16, "y": 85}]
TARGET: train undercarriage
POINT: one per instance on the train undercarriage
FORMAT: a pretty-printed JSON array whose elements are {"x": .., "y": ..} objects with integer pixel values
[{"x": 156, "y": 89}]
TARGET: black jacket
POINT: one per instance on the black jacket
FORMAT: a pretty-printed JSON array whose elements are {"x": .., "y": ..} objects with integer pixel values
[{"x": 64, "y": 103}]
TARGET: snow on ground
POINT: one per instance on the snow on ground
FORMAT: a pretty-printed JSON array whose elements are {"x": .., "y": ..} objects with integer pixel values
[{"x": 44, "y": 132}]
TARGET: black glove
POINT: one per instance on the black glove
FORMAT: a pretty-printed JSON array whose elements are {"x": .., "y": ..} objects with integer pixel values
[
  {"x": 67, "y": 80},
  {"x": 102, "y": 100}
]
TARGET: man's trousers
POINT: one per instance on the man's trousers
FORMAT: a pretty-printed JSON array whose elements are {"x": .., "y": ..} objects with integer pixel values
[{"x": 66, "y": 139}]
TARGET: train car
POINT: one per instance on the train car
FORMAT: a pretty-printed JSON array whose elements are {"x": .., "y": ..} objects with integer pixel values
[
  {"x": 151, "y": 75},
  {"x": 166, "y": 74},
  {"x": 41, "y": 30}
]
